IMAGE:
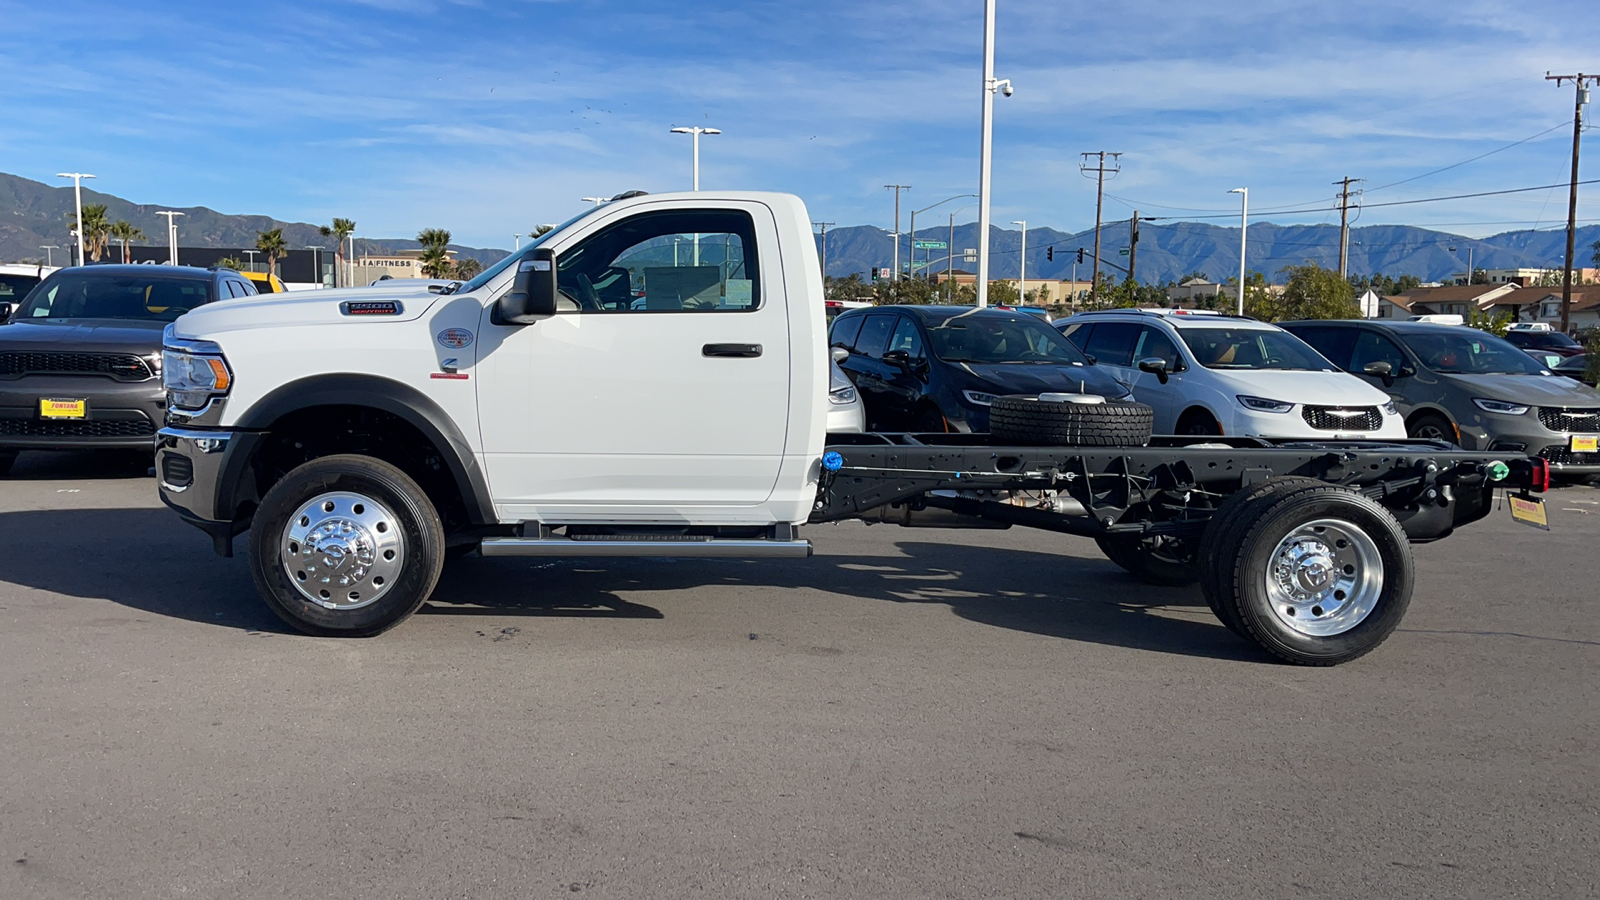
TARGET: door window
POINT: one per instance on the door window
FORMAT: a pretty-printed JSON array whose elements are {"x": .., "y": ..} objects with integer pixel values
[
  {"x": 1111, "y": 343},
  {"x": 1156, "y": 344},
  {"x": 907, "y": 338},
  {"x": 1371, "y": 347},
  {"x": 1334, "y": 343},
  {"x": 674, "y": 261},
  {"x": 845, "y": 329},
  {"x": 875, "y": 334}
]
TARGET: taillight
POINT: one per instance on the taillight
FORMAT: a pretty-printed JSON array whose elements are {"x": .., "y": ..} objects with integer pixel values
[{"x": 1539, "y": 475}]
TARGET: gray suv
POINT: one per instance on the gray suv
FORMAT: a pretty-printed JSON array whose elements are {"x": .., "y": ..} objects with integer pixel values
[{"x": 1469, "y": 387}]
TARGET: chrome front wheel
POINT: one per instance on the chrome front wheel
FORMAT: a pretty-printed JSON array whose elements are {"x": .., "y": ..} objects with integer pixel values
[{"x": 342, "y": 550}]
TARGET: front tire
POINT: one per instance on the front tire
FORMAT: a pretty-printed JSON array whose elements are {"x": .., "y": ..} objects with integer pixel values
[
  {"x": 1321, "y": 576},
  {"x": 1432, "y": 427},
  {"x": 346, "y": 546}
]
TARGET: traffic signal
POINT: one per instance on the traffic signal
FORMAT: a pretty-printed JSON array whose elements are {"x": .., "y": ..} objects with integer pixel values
[
  {"x": 1080, "y": 256},
  {"x": 1050, "y": 253}
]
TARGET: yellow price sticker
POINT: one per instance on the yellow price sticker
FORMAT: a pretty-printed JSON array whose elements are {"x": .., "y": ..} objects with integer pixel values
[
  {"x": 1529, "y": 511},
  {"x": 63, "y": 409},
  {"x": 1585, "y": 443}
]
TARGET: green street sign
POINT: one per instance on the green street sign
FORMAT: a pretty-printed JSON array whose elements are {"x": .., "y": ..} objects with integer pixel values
[
  {"x": 929, "y": 245},
  {"x": 1123, "y": 252}
]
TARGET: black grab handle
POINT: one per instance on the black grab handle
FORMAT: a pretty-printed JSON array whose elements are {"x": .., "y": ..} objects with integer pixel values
[{"x": 736, "y": 351}]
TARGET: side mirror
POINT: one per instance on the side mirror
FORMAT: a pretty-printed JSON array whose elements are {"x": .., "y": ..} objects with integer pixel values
[
  {"x": 1091, "y": 358},
  {"x": 839, "y": 353},
  {"x": 533, "y": 291},
  {"x": 6, "y": 309},
  {"x": 898, "y": 358},
  {"x": 1380, "y": 369},
  {"x": 1155, "y": 366}
]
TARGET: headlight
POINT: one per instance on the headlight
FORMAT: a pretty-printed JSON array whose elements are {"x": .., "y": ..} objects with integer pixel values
[
  {"x": 1389, "y": 409},
  {"x": 842, "y": 396},
  {"x": 1262, "y": 404},
  {"x": 192, "y": 372},
  {"x": 979, "y": 398},
  {"x": 1500, "y": 406}
]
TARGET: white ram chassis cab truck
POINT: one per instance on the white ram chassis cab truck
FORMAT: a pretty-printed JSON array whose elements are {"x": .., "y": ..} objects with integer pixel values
[{"x": 651, "y": 379}]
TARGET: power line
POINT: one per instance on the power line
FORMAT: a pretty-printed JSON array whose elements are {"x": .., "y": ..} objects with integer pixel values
[{"x": 1474, "y": 159}]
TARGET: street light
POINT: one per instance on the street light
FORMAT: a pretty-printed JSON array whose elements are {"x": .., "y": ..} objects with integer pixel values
[
  {"x": 1469, "y": 264},
  {"x": 990, "y": 85},
  {"x": 252, "y": 260},
  {"x": 913, "y": 265},
  {"x": 172, "y": 234},
  {"x": 696, "y": 131},
  {"x": 1244, "y": 229},
  {"x": 1022, "y": 278},
  {"x": 49, "y": 259},
  {"x": 316, "y": 262},
  {"x": 77, "y": 195},
  {"x": 599, "y": 200},
  {"x": 516, "y": 242}
]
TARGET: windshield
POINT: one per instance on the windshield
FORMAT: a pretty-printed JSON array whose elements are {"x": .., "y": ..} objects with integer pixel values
[
  {"x": 87, "y": 294},
  {"x": 1252, "y": 348},
  {"x": 991, "y": 339},
  {"x": 487, "y": 275},
  {"x": 1467, "y": 352}
]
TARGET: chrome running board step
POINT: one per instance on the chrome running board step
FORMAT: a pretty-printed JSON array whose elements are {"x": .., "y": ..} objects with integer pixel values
[{"x": 648, "y": 545}]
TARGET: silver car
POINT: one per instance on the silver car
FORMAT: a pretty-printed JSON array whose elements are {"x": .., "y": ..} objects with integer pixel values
[
  {"x": 846, "y": 414},
  {"x": 1468, "y": 387}
]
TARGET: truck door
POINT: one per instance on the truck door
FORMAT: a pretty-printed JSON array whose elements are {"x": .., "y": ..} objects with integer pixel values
[{"x": 661, "y": 387}]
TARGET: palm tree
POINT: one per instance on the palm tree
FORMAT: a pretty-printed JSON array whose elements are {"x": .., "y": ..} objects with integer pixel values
[
  {"x": 124, "y": 231},
  {"x": 541, "y": 230},
  {"x": 339, "y": 230},
  {"x": 231, "y": 262},
  {"x": 94, "y": 230},
  {"x": 466, "y": 268},
  {"x": 272, "y": 244},
  {"x": 435, "y": 253}
]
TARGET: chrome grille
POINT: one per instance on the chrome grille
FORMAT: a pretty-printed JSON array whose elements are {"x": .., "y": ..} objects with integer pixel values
[
  {"x": 121, "y": 366},
  {"x": 1558, "y": 418},
  {"x": 1342, "y": 418}
]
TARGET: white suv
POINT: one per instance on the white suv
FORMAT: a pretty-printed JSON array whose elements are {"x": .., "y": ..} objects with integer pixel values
[{"x": 1209, "y": 373}]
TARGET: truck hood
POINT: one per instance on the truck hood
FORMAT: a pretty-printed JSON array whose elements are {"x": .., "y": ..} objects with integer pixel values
[
  {"x": 1041, "y": 378},
  {"x": 83, "y": 335},
  {"x": 1314, "y": 388},
  {"x": 1534, "y": 390},
  {"x": 300, "y": 308}
]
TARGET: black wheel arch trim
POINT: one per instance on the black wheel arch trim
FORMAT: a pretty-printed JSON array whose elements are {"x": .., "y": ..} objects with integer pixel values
[{"x": 390, "y": 396}]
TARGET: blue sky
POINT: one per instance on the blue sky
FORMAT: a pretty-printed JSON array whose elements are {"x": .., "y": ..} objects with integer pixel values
[{"x": 489, "y": 117}]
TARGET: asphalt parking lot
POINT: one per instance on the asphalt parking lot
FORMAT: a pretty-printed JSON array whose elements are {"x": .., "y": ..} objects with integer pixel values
[{"x": 908, "y": 714}]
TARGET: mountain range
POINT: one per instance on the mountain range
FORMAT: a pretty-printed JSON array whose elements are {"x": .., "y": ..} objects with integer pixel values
[{"x": 33, "y": 214}]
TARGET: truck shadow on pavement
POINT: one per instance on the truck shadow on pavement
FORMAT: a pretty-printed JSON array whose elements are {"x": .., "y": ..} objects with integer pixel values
[{"x": 148, "y": 560}]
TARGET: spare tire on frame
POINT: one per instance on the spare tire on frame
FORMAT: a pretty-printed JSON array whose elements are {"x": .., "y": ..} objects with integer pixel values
[{"x": 1033, "y": 421}]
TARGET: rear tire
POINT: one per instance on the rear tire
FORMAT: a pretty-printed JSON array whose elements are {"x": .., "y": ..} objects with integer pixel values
[
  {"x": 1027, "y": 421},
  {"x": 1151, "y": 560},
  {"x": 1322, "y": 575},
  {"x": 346, "y": 546}
]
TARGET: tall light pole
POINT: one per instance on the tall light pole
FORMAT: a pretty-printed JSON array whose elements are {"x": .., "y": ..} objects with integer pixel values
[
  {"x": 1022, "y": 280},
  {"x": 599, "y": 200},
  {"x": 990, "y": 85},
  {"x": 316, "y": 262},
  {"x": 172, "y": 234},
  {"x": 696, "y": 131},
  {"x": 824, "y": 226},
  {"x": 516, "y": 242},
  {"x": 77, "y": 198},
  {"x": 49, "y": 259},
  {"x": 1244, "y": 229},
  {"x": 913, "y": 266},
  {"x": 1469, "y": 264}
]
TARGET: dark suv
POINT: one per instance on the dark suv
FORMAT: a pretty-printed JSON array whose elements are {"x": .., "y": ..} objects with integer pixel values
[
  {"x": 80, "y": 356},
  {"x": 1555, "y": 342},
  {"x": 1468, "y": 387},
  {"x": 939, "y": 368}
]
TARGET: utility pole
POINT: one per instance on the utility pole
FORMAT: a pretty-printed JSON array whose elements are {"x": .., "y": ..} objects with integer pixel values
[
  {"x": 1344, "y": 222},
  {"x": 824, "y": 227},
  {"x": 1100, "y": 169},
  {"x": 1580, "y": 84},
  {"x": 897, "y": 188},
  {"x": 950, "y": 261},
  {"x": 1133, "y": 243}
]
